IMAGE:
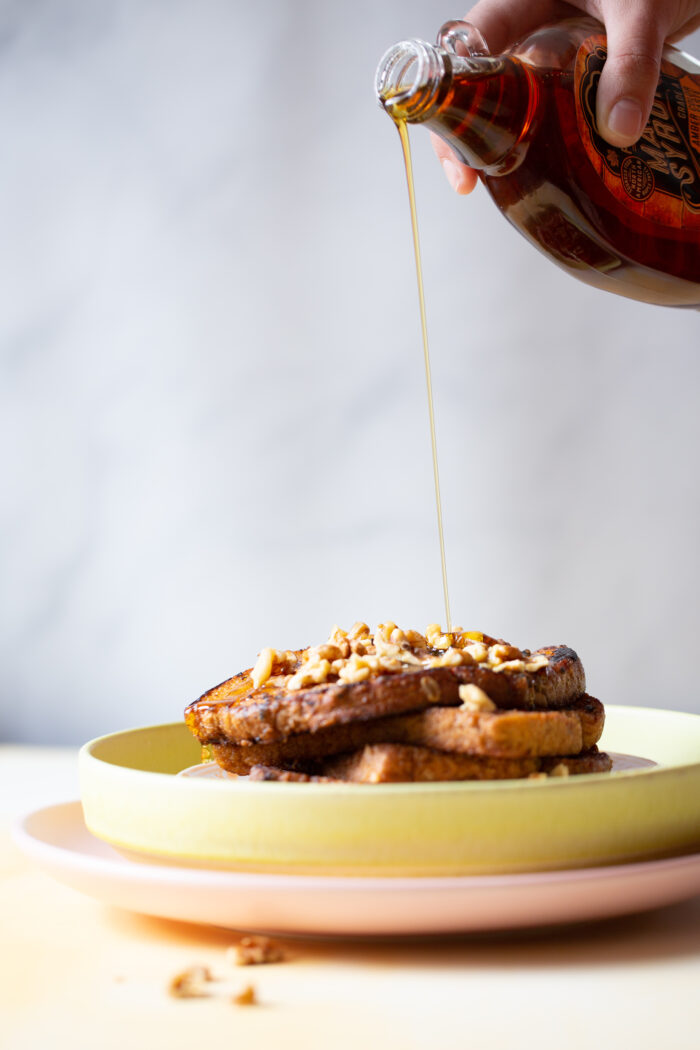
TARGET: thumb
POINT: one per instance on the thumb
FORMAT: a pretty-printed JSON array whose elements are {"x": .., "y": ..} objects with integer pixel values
[
  {"x": 460, "y": 177},
  {"x": 629, "y": 77}
]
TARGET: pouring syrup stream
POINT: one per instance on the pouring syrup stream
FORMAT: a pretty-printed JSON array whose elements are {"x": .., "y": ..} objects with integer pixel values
[{"x": 402, "y": 128}]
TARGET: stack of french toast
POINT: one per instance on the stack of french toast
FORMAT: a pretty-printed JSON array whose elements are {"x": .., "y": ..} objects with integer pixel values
[{"x": 400, "y": 706}]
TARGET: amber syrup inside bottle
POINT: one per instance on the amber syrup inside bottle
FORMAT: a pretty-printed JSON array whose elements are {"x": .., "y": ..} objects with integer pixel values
[{"x": 624, "y": 220}]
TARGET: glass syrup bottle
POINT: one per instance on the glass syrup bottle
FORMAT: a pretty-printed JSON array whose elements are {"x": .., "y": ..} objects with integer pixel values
[{"x": 626, "y": 220}]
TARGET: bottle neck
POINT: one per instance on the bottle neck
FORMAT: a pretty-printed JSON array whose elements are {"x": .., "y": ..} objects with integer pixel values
[{"x": 480, "y": 105}]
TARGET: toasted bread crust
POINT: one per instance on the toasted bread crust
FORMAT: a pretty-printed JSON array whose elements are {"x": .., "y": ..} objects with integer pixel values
[
  {"x": 401, "y": 763},
  {"x": 237, "y": 713},
  {"x": 504, "y": 734}
]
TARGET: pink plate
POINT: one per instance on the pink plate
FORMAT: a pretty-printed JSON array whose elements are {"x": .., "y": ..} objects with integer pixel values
[{"x": 56, "y": 837}]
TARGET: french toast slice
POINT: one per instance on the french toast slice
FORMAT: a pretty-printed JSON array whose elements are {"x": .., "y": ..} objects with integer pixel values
[
  {"x": 501, "y": 733},
  {"x": 402, "y": 763},
  {"x": 506, "y": 734},
  {"x": 240, "y": 712}
]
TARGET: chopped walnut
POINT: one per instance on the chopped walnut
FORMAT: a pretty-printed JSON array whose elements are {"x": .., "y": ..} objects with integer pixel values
[
  {"x": 358, "y": 630},
  {"x": 500, "y": 653},
  {"x": 191, "y": 983},
  {"x": 329, "y": 651},
  {"x": 430, "y": 689},
  {"x": 416, "y": 639},
  {"x": 450, "y": 658},
  {"x": 513, "y": 666},
  {"x": 263, "y": 667},
  {"x": 560, "y": 770},
  {"x": 535, "y": 663},
  {"x": 384, "y": 632},
  {"x": 478, "y": 652},
  {"x": 436, "y": 638},
  {"x": 255, "y": 950},
  {"x": 268, "y": 661},
  {"x": 339, "y": 638},
  {"x": 246, "y": 997},
  {"x": 313, "y": 672},
  {"x": 356, "y": 668},
  {"x": 475, "y": 698},
  {"x": 197, "y": 982},
  {"x": 392, "y": 654},
  {"x": 355, "y": 655}
]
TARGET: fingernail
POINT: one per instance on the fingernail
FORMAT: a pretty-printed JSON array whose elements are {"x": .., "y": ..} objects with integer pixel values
[
  {"x": 453, "y": 173},
  {"x": 625, "y": 119}
]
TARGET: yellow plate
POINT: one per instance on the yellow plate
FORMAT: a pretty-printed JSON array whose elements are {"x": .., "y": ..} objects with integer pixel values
[{"x": 132, "y": 799}]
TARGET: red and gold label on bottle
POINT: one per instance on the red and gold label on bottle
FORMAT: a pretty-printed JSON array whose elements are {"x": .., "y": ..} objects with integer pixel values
[{"x": 659, "y": 176}]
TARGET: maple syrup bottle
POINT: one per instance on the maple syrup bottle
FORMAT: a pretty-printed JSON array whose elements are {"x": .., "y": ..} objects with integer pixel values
[{"x": 626, "y": 220}]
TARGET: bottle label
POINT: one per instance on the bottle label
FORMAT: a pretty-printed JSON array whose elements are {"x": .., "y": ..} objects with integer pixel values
[{"x": 659, "y": 176}]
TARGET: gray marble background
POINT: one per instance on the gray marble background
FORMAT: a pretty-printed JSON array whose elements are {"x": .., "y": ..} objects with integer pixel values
[{"x": 213, "y": 417}]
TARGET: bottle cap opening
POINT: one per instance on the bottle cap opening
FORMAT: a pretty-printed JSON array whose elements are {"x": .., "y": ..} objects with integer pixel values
[{"x": 407, "y": 78}]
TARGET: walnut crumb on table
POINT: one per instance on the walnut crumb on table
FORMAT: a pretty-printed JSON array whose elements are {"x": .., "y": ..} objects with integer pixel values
[
  {"x": 198, "y": 982},
  {"x": 190, "y": 983},
  {"x": 246, "y": 997},
  {"x": 255, "y": 951}
]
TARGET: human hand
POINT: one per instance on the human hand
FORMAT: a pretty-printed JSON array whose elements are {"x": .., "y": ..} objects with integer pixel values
[{"x": 636, "y": 31}]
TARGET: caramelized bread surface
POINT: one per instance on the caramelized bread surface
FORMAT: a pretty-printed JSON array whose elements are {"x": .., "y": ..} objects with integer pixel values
[{"x": 238, "y": 713}]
